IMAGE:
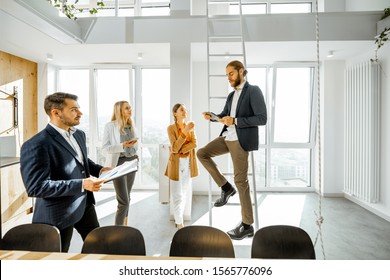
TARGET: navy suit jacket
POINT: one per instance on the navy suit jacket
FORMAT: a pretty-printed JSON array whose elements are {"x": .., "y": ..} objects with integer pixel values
[
  {"x": 53, "y": 174},
  {"x": 251, "y": 112}
]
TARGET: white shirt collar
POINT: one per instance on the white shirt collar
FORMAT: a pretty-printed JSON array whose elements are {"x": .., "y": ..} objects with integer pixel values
[{"x": 63, "y": 131}]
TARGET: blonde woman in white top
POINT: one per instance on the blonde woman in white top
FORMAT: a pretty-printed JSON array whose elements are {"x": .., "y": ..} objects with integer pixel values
[{"x": 120, "y": 145}]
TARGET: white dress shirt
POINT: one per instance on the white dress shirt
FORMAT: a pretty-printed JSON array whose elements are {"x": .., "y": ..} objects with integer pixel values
[
  {"x": 231, "y": 134},
  {"x": 68, "y": 136}
]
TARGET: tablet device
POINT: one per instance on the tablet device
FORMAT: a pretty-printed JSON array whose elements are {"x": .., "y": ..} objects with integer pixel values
[{"x": 213, "y": 117}]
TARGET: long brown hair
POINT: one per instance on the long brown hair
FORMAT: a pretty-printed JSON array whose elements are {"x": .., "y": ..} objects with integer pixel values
[
  {"x": 175, "y": 108},
  {"x": 236, "y": 64},
  {"x": 117, "y": 116}
]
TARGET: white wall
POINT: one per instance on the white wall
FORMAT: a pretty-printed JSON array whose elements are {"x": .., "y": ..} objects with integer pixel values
[
  {"x": 103, "y": 29},
  {"x": 331, "y": 5},
  {"x": 384, "y": 58},
  {"x": 332, "y": 131},
  {"x": 44, "y": 72},
  {"x": 352, "y": 5},
  {"x": 180, "y": 74},
  {"x": 200, "y": 104},
  {"x": 180, "y": 5},
  {"x": 366, "y": 5}
]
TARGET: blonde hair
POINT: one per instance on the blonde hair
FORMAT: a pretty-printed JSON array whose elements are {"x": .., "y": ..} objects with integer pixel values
[{"x": 117, "y": 116}]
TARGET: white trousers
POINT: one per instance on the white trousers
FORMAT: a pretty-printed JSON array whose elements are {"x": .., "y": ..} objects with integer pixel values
[{"x": 179, "y": 190}]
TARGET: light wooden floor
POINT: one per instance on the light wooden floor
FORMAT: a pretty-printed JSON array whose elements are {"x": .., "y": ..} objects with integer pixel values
[{"x": 349, "y": 232}]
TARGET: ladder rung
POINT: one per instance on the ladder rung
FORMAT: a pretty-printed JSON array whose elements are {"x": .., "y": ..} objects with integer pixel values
[
  {"x": 216, "y": 37},
  {"x": 224, "y": 18},
  {"x": 225, "y": 39},
  {"x": 231, "y": 203},
  {"x": 231, "y": 174},
  {"x": 223, "y": 1},
  {"x": 226, "y": 54}
]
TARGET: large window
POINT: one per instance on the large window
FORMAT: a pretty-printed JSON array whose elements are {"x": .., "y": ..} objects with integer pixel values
[
  {"x": 292, "y": 105},
  {"x": 291, "y": 126},
  {"x": 284, "y": 160},
  {"x": 259, "y": 7},
  {"x": 260, "y": 77},
  {"x": 76, "y": 81},
  {"x": 112, "y": 85},
  {"x": 285, "y": 156},
  {"x": 99, "y": 88},
  {"x": 122, "y": 8}
]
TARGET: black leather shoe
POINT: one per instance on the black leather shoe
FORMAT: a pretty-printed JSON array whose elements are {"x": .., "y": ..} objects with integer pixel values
[
  {"x": 225, "y": 197},
  {"x": 240, "y": 232}
]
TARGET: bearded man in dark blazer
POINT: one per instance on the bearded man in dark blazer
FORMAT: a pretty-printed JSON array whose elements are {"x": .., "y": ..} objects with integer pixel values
[{"x": 243, "y": 112}]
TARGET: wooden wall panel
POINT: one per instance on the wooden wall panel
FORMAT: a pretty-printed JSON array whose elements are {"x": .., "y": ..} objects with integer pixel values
[{"x": 13, "y": 69}]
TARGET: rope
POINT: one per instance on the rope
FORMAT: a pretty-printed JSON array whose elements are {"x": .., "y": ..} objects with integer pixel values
[{"x": 320, "y": 219}]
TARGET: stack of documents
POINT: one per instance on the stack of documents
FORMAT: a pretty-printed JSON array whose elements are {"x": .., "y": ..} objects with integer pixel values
[{"x": 121, "y": 170}]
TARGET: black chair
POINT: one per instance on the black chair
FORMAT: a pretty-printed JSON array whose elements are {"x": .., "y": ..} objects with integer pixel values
[
  {"x": 114, "y": 240},
  {"x": 201, "y": 241},
  {"x": 32, "y": 237},
  {"x": 282, "y": 242}
]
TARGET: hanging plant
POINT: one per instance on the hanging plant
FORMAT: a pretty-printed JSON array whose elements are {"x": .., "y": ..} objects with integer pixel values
[
  {"x": 70, "y": 10},
  {"x": 383, "y": 37},
  {"x": 380, "y": 40},
  {"x": 386, "y": 14}
]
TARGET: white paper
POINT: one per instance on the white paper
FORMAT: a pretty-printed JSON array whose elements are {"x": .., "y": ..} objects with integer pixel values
[{"x": 123, "y": 169}]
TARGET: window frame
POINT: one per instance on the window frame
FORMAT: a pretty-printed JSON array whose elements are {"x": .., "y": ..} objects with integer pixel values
[
  {"x": 269, "y": 91},
  {"x": 137, "y": 7}
]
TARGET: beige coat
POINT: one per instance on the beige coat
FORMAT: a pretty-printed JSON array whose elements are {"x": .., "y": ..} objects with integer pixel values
[{"x": 177, "y": 146}]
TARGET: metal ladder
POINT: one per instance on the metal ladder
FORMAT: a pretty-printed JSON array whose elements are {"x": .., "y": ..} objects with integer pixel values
[{"x": 222, "y": 46}]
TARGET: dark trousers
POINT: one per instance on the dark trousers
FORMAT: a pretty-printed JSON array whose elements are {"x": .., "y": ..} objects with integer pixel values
[
  {"x": 88, "y": 222},
  {"x": 123, "y": 186}
]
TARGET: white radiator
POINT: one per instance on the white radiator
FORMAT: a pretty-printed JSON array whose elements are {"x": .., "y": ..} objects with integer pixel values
[
  {"x": 164, "y": 187},
  {"x": 361, "y": 134}
]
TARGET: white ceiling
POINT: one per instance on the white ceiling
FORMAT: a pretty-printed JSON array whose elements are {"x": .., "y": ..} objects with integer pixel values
[
  {"x": 25, "y": 41},
  {"x": 22, "y": 39}
]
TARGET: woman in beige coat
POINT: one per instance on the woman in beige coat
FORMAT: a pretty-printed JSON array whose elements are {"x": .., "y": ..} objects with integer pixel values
[{"x": 182, "y": 165}]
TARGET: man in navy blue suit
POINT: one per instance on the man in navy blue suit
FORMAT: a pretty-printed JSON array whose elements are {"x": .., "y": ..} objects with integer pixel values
[
  {"x": 56, "y": 170},
  {"x": 244, "y": 111}
]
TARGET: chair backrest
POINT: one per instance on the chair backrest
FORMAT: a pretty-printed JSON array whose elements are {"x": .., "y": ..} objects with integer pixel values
[
  {"x": 115, "y": 240},
  {"x": 201, "y": 241},
  {"x": 32, "y": 237},
  {"x": 282, "y": 242}
]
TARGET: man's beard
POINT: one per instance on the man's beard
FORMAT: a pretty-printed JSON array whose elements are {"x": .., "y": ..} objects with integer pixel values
[
  {"x": 69, "y": 122},
  {"x": 237, "y": 82}
]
